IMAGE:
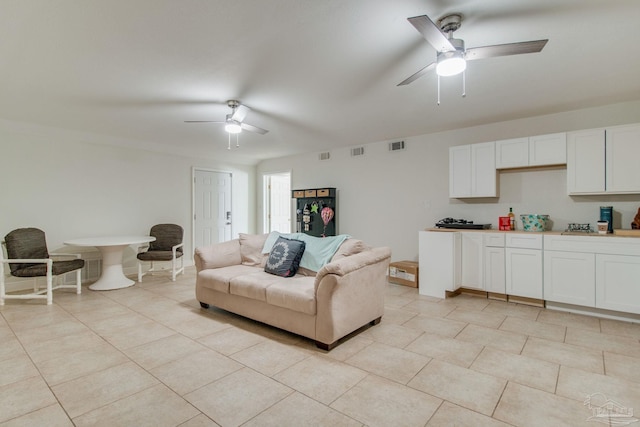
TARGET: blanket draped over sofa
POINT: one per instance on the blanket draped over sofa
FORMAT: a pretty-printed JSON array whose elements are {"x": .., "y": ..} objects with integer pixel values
[{"x": 344, "y": 294}]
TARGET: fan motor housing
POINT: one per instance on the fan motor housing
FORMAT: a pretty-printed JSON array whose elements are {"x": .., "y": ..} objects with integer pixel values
[{"x": 450, "y": 23}]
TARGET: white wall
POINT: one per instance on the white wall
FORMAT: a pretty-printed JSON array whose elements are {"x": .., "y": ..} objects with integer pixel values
[
  {"x": 71, "y": 187},
  {"x": 385, "y": 197}
]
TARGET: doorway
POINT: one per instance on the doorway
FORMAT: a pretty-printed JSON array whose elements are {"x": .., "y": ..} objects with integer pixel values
[
  {"x": 277, "y": 202},
  {"x": 211, "y": 207}
]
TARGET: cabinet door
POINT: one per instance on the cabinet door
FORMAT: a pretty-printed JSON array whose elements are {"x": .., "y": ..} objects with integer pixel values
[
  {"x": 472, "y": 260},
  {"x": 570, "y": 277},
  {"x": 523, "y": 272},
  {"x": 460, "y": 171},
  {"x": 585, "y": 162},
  {"x": 617, "y": 283},
  {"x": 623, "y": 152},
  {"x": 439, "y": 259},
  {"x": 494, "y": 270},
  {"x": 483, "y": 170},
  {"x": 548, "y": 149},
  {"x": 512, "y": 153}
]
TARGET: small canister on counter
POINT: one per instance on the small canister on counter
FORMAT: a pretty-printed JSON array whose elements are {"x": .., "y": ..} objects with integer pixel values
[
  {"x": 504, "y": 223},
  {"x": 606, "y": 214}
]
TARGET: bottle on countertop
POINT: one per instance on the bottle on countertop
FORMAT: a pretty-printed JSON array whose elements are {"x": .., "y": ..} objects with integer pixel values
[{"x": 512, "y": 219}]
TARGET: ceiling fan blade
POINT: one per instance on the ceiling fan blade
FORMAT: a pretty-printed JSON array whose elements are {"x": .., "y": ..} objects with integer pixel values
[
  {"x": 202, "y": 121},
  {"x": 417, "y": 75},
  {"x": 431, "y": 32},
  {"x": 240, "y": 113},
  {"x": 252, "y": 128},
  {"x": 504, "y": 49}
]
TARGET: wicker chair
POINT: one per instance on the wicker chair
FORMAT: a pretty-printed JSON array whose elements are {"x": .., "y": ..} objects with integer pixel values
[
  {"x": 27, "y": 256},
  {"x": 168, "y": 246}
]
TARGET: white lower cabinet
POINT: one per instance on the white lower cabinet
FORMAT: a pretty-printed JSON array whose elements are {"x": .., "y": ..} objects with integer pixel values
[
  {"x": 569, "y": 277},
  {"x": 589, "y": 271},
  {"x": 618, "y": 283},
  {"x": 472, "y": 260},
  {"x": 523, "y": 265},
  {"x": 440, "y": 262},
  {"x": 524, "y": 272},
  {"x": 494, "y": 274}
]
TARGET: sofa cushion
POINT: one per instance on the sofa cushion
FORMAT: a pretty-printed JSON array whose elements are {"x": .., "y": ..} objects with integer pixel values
[
  {"x": 251, "y": 248},
  {"x": 218, "y": 279},
  {"x": 284, "y": 257},
  {"x": 296, "y": 293},
  {"x": 253, "y": 285}
]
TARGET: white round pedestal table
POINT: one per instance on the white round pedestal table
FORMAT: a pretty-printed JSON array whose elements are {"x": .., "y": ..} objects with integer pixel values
[{"x": 111, "y": 248}]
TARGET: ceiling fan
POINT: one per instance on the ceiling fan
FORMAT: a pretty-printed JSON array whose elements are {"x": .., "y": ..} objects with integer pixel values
[
  {"x": 234, "y": 122},
  {"x": 452, "y": 56}
]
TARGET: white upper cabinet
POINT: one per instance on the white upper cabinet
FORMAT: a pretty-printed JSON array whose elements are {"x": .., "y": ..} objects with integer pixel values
[
  {"x": 585, "y": 161},
  {"x": 512, "y": 153},
  {"x": 604, "y": 161},
  {"x": 472, "y": 171},
  {"x": 460, "y": 171},
  {"x": 622, "y": 154},
  {"x": 540, "y": 150},
  {"x": 548, "y": 149}
]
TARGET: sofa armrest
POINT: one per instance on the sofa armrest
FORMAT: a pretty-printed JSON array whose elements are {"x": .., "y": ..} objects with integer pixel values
[
  {"x": 350, "y": 293},
  {"x": 219, "y": 255},
  {"x": 346, "y": 265}
]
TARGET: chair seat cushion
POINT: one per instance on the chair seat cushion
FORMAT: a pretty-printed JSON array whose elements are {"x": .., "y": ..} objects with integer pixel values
[
  {"x": 59, "y": 267},
  {"x": 158, "y": 255}
]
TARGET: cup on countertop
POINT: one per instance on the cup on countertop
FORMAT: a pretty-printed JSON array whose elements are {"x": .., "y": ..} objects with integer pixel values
[{"x": 603, "y": 227}]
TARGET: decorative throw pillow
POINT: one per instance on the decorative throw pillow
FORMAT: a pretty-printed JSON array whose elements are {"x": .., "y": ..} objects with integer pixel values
[{"x": 284, "y": 258}]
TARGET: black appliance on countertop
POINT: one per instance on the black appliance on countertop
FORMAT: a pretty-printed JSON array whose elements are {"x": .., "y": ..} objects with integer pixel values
[{"x": 461, "y": 224}]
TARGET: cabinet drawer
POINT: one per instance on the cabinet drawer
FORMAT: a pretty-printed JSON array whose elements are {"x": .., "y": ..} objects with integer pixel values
[
  {"x": 525, "y": 241},
  {"x": 594, "y": 244},
  {"x": 309, "y": 193},
  {"x": 495, "y": 240}
]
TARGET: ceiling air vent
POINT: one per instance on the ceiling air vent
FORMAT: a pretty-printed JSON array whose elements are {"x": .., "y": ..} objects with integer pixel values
[
  {"x": 396, "y": 146},
  {"x": 357, "y": 151},
  {"x": 324, "y": 156}
]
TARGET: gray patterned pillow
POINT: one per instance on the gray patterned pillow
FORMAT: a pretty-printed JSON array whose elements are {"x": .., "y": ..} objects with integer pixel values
[{"x": 284, "y": 258}]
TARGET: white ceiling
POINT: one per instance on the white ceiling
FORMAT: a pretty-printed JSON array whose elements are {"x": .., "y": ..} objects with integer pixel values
[{"x": 318, "y": 74}]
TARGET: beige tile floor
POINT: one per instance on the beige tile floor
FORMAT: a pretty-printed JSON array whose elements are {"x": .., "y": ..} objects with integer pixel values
[{"x": 149, "y": 355}]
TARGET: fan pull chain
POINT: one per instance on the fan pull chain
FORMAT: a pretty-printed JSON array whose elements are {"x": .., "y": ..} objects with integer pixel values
[
  {"x": 229, "y": 145},
  {"x": 438, "y": 89},
  {"x": 464, "y": 84},
  {"x": 237, "y": 140}
]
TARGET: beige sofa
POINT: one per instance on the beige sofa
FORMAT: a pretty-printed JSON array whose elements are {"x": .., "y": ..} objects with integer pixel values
[{"x": 344, "y": 295}]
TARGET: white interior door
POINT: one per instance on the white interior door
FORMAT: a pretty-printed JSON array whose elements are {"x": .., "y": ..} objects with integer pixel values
[
  {"x": 212, "y": 207},
  {"x": 278, "y": 191}
]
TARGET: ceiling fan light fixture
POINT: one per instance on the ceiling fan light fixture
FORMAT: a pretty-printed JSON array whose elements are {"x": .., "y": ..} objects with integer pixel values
[
  {"x": 232, "y": 127},
  {"x": 451, "y": 63}
]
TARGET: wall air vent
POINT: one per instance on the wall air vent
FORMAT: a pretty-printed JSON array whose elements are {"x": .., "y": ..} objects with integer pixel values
[
  {"x": 324, "y": 156},
  {"x": 357, "y": 151},
  {"x": 396, "y": 146}
]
